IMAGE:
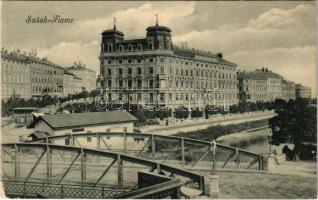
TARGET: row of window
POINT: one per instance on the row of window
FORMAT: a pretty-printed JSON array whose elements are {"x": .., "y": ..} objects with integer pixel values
[
  {"x": 11, "y": 91},
  {"x": 201, "y": 64},
  {"x": 15, "y": 67},
  {"x": 200, "y": 73},
  {"x": 130, "y": 61},
  {"x": 130, "y": 71},
  {"x": 182, "y": 72},
  {"x": 177, "y": 96},
  {"x": 40, "y": 68},
  {"x": 255, "y": 87},
  {"x": 186, "y": 84},
  {"x": 15, "y": 79},
  {"x": 44, "y": 88},
  {"x": 139, "y": 47},
  {"x": 171, "y": 60},
  {"x": 41, "y": 79},
  {"x": 129, "y": 84}
]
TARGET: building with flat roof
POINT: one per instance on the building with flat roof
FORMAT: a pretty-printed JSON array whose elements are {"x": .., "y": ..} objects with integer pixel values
[
  {"x": 60, "y": 124},
  {"x": 154, "y": 69}
]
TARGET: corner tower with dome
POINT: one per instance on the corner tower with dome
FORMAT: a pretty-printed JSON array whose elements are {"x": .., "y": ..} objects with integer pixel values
[{"x": 154, "y": 69}]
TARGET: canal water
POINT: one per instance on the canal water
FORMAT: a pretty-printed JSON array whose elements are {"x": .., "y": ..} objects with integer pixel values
[{"x": 255, "y": 141}]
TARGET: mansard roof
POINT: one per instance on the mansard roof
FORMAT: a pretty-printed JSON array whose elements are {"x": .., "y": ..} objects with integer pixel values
[
  {"x": 268, "y": 74},
  {"x": 191, "y": 53},
  {"x": 14, "y": 56},
  {"x": 258, "y": 74}
]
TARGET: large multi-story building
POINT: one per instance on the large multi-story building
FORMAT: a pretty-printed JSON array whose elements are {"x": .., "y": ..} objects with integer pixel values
[
  {"x": 27, "y": 76},
  {"x": 15, "y": 75},
  {"x": 252, "y": 87},
  {"x": 288, "y": 90},
  {"x": 87, "y": 76},
  {"x": 153, "y": 68},
  {"x": 273, "y": 84},
  {"x": 303, "y": 91},
  {"x": 264, "y": 85},
  {"x": 72, "y": 84},
  {"x": 46, "y": 77}
]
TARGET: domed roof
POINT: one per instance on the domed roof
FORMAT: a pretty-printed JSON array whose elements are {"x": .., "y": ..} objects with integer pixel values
[
  {"x": 112, "y": 31},
  {"x": 158, "y": 28}
]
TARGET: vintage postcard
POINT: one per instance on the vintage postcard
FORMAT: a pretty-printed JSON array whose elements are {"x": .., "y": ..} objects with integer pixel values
[{"x": 159, "y": 99}]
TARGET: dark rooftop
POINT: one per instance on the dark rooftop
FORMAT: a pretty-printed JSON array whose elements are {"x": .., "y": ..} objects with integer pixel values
[
  {"x": 132, "y": 41},
  {"x": 38, "y": 135},
  {"x": 112, "y": 31},
  {"x": 25, "y": 108},
  {"x": 191, "y": 53},
  {"x": 163, "y": 28},
  {"x": 81, "y": 119},
  {"x": 79, "y": 67}
]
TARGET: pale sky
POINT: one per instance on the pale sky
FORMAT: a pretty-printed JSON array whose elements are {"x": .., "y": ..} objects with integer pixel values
[{"x": 278, "y": 35}]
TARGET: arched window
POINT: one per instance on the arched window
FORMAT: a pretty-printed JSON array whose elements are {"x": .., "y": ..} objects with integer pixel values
[
  {"x": 150, "y": 45},
  {"x": 110, "y": 47},
  {"x": 102, "y": 46}
]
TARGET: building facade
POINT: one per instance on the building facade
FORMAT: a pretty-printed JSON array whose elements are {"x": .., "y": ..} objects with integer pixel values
[
  {"x": 302, "y": 91},
  {"x": 289, "y": 90},
  {"x": 93, "y": 122},
  {"x": 264, "y": 86},
  {"x": 27, "y": 76},
  {"x": 252, "y": 87},
  {"x": 159, "y": 72},
  {"x": 46, "y": 77},
  {"x": 71, "y": 83},
  {"x": 15, "y": 75},
  {"x": 87, "y": 76}
]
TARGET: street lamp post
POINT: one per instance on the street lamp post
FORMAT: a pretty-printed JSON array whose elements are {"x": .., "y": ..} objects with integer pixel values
[
  {"x": 214, "y": 179},
  {"x": 213, "y": 150},
  {"x": 138, "y": 113}
]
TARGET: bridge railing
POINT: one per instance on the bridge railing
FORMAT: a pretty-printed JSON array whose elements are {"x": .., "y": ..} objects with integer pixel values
[
  {"x": 33, "y": 189},
  {"x": 166, "y": 149},
  {"x": 57, "y": 165}
]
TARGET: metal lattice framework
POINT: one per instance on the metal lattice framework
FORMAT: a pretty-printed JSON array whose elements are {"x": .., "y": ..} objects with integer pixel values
[
  {"x": 60, "y": 171},
  {"x": 177, "y": 151}
]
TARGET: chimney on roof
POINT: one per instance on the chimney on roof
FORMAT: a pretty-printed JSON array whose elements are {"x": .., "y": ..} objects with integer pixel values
[{"x": 220, "y": 55}]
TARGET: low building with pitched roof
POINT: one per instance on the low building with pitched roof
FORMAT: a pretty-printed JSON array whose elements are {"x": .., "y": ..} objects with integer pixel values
[{"x": 61, "y": 124}]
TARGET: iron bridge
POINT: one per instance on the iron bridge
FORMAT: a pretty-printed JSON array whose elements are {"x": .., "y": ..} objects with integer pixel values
[
  {"x": 177, "y": 151},
  {"x": 31, "y": 170},
  {"x": 107, "y": 165}
]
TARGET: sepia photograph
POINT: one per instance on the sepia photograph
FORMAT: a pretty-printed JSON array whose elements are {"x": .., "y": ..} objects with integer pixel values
[{"x": 158, "y": 99}]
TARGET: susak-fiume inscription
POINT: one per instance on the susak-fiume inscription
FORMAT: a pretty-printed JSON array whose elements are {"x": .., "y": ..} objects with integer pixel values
[{"x": 48, "y": 19}]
